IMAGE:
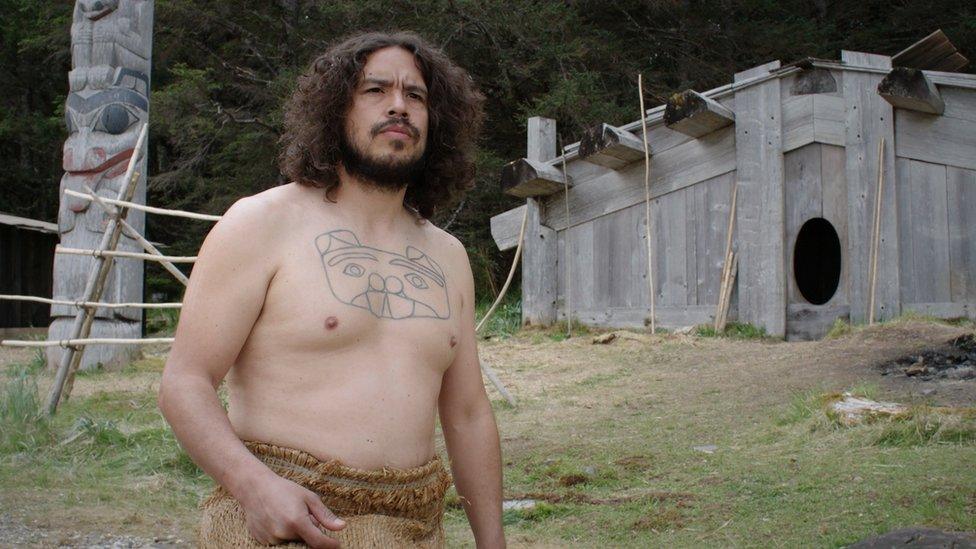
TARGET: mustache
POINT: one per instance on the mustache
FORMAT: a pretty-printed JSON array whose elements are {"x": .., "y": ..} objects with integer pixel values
[{"x": 382, "y": 126}]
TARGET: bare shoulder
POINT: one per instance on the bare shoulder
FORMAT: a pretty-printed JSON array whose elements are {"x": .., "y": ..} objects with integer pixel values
[{"x": 448, "y": 245}]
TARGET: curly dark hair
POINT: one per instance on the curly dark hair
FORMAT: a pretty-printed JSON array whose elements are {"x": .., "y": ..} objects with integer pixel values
[{"x": 315, "y": 119}]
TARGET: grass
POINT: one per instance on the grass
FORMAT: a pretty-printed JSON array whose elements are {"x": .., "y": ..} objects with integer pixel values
[
  {"x": 504, "y": 322},
  {"x": 603, "y": 439},
  {"x": 733, "y": 330}
]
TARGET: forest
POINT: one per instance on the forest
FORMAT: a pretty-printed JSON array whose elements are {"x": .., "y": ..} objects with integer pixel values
[{"x": 222, "y": 71}]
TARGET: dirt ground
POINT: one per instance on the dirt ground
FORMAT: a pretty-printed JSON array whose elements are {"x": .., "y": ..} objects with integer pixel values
[{"x": 573, "y": 393}]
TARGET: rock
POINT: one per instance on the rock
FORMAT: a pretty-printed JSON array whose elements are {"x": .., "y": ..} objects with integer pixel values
[
  {"x": 852, "y": 410},
  {"x": 961, "y": 372},
  {"x": 589, "y": 471},
  {"x": 518, "y": 504},
  {"x": 604, "y": 339},
  {"x": 916, "y": 537},
  {"x": 707, "y": 448},
  {"x": 685, "y": 330},
  {"x": 927, "y": 392}
]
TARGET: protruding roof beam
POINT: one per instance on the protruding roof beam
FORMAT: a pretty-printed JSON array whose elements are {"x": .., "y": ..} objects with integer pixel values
[
  {"x": 691, "y": 113},
  {"x": 610, "y": 147},
  {"x": 910, "y": 89},
  {"x": 505, "y": 228},
  {"x": 525, "y": 178}
]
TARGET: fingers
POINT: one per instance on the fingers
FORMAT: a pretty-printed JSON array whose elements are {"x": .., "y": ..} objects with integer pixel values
[
  {"x": 326, "y": 517},
  {"x": 312, "y": 536}
]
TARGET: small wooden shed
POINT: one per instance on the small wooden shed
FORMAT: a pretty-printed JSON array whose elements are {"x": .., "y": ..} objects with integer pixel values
[
  {"x": 26, "y": 256},
  {"x": 802, "y": 143}
]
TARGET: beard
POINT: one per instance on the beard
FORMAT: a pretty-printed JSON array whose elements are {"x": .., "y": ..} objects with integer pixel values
[{"x": 388, "y": 174}]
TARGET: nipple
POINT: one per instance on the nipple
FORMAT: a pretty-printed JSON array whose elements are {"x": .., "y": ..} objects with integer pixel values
[
  {"x": 331, "y": 322},
  {"x": 453, "y": 341}
]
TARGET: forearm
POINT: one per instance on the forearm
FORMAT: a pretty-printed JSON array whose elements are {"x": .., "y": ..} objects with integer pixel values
[
  {"x": 191, "y": 406},
  {"x": 476, "y": 464}
]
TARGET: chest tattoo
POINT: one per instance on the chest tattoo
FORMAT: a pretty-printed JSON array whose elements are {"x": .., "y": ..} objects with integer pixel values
[{"x": 387, "y": 284}]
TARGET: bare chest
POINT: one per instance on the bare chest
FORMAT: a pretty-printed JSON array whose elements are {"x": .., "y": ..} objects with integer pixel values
[{"x": 335, "y": 294}]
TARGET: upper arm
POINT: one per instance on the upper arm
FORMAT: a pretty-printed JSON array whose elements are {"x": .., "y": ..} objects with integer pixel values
[
  {"x": 225, "y": 294},
  {"x": 462, "y": 388}
]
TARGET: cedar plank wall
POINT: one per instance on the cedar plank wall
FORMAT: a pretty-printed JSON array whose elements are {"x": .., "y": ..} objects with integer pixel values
[
  {"x": 691, "y": 185},
  {"x": 936, "y": 196}
]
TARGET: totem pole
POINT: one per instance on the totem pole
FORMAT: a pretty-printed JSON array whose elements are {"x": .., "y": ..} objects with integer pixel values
[{"x": 108, "y": 102}]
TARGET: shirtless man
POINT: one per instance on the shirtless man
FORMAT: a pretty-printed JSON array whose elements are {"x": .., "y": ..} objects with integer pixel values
[{"x": 342, "y": 320}]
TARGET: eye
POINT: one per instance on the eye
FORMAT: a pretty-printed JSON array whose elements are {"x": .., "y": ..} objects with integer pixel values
[
  {"x": 417, "y": 281},
  {"x": 114, "y": 119},
  {"x": 374, "y": 90},
  {"x": 353, "y": 269}
]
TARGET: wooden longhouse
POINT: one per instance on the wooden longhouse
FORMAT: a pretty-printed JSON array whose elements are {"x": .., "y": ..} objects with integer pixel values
[
  {"x": 26, "y": 255},
  {"x": 802, "y": 143}
]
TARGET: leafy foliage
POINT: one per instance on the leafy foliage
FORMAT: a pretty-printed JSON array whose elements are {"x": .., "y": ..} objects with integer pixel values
[{"x": 221, "y": 71}]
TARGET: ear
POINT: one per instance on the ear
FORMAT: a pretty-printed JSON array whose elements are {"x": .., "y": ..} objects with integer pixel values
[{"x": 336, "y": 240}]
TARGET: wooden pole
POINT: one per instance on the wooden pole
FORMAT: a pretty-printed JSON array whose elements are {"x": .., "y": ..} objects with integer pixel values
[
  {"x": 96, "y": 282},
  {"x": 647, "y": 198},
  {"x": 132, "y": 233},
  {"x": 727, "y": 293},
  {"x": 727, "y": 260},
  {"x": 147, "y": 209},
  {"x": 876, "y": 232},
  {"x": 567, "y": 247}
]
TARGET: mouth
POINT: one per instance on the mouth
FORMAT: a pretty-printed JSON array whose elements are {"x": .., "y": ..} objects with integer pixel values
[
  {"x": 118, "y": 158},
  {"x": 399, "y": 129}
]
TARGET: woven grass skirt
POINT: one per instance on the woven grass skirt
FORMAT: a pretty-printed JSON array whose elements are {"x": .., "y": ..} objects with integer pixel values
[{"x": 382, "y": 508}]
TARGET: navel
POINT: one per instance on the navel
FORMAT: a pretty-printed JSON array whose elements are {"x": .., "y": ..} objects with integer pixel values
[
  {"x": 331, "y": 323},
  {"x": 453, "y": 341}
]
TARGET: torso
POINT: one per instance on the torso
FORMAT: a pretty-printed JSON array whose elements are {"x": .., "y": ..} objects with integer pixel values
[{"x": 346, "y": 357}]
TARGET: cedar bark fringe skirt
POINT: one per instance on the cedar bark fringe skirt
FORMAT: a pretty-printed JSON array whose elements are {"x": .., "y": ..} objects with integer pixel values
[{"x": 382, "y": 508}]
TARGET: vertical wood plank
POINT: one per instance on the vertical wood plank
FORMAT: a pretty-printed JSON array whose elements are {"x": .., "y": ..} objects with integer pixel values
[
  {"x": 759, "y": 165},
  {"x": 833, "y": 179},
  {"x": 712, "y": 202},
  {"x": 541, "y": 259},
  {"x": 962, "y": 234},
  {"x": 929, "y": 212},
  {"x": 869, "y": 118},
  {"x": 803, "y": 201},
  {"x": 690, "y": 246},
  {"x": 601, "y": 262},
  {"x": 906, "y": 239}
]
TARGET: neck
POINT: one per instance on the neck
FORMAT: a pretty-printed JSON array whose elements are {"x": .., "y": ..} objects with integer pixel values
[{"x": 375, "y": 210}]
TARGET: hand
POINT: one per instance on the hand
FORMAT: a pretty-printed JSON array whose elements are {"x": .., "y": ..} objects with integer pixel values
[{"x": 279, "y": 510}]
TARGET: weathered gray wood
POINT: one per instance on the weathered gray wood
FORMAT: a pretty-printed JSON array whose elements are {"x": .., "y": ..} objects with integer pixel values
[
  {"x": 690, "y": 162},
  {"x": 943, "y": 310},
  {"x": 505, "y": 228},
  {"x": 909, "y": 89},
  {"x": 906, "y": 241},
  {"x": 929, "y": 211},
  {"x": 869, "y": 118},
  {"x": 526, "y": 178},
  {"x": 668, "y": 317},
  {"x": 691, "y": 113},
  {"x": 803, "y": 201},
  {"x": 541, "y": 139},
  {"x": 833, "y": 179},
  {"x": 806, "y": 322},
  {"x": 712, "y": 201},
  {"x": 601, "y": 261},
  {"x": 760, "y": 219},
  {"x": 539, "y": 269},
  {"x": 610, "y": 147},
  {"x": 691, "y": 245},
  {"x": 622, "y": 242},
  {"x": 541, "y": 263},
  {"x": 934, "y": 52},
  {"x": 936, "y": 139},
  {"x": 959, "y": 102},
  {"x": 671, "y": 248},
  {"x": 829, "y": 120},
  {"x": 961, "y": 187}
]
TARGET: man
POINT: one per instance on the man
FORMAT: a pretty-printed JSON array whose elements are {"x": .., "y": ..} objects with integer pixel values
[{"x": 343, "y": 320}]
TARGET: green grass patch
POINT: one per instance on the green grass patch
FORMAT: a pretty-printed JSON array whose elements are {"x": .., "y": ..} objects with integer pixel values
[
  {"x": 505, "y": 321},
  {"x": 733, "y": 330}
]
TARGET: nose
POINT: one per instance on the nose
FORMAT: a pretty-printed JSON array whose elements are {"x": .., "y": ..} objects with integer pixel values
[{"x": 398, "y": 105}]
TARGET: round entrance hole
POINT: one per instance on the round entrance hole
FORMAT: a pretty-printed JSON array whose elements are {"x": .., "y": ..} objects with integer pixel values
[{"x": 816, "y": 261}]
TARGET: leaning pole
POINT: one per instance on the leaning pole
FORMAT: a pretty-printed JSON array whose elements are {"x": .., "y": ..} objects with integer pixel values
[{"x": 107, "y": 104}]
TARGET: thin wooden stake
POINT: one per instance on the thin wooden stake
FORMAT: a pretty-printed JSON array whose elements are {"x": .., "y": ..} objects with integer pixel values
[
  {"x": 727, "y": 293},
  {"x": 647, "y": 198},
  {"x": 567, "y": 248},
  {"x": 81, "y": 328},
  {"x": 876, "y": 232},
  {"x": 132, "y": 233},
  {"x": 727, "y": 260}
]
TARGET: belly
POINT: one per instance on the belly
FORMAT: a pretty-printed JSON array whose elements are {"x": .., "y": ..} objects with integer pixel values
[{"x": 366, "y": 409}]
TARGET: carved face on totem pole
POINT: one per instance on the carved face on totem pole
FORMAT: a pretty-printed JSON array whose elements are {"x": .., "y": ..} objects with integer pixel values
[{"x": 108, "y": 101}]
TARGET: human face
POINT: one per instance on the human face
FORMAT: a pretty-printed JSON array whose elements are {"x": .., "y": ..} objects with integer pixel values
[{"x": 386, "y": 125}]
